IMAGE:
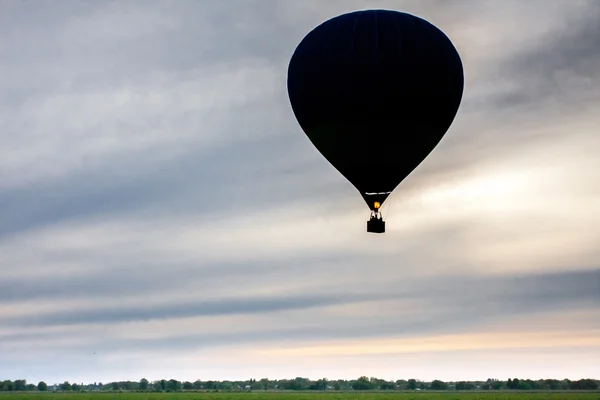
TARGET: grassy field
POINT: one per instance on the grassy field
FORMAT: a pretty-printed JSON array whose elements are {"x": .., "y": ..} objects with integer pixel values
[{"x": 308, "y": 396}]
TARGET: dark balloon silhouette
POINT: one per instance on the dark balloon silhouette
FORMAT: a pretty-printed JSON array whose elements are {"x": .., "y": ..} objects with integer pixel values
[{"x": 375, "y": 91}]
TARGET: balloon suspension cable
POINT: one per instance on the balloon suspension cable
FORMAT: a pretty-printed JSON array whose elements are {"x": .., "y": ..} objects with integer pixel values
[{"x": 388, "y": 206}]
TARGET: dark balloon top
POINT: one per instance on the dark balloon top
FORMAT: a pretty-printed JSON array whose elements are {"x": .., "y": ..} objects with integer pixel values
[{"x": 375, "y": 91}]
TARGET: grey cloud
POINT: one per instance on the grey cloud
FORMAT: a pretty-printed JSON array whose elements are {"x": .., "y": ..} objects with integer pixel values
[
  {"x": 102, "y": 193},
  {"x": 190, "y": 309},
  {"x": 561, "y": 70},
  {"x": 544, "y": 83},
  {"x": 119, "y": 277},
  {"x": 53, "y": 45},
  {"x": 521, "y": 294},
  {"x": 234, "y": 178},
  {"x": 453, "y": 300},
  {"x": 438, "y": 317}
]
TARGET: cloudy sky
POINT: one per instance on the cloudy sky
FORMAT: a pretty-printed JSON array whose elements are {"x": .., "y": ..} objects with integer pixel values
[{"x": 163, "y": 215}]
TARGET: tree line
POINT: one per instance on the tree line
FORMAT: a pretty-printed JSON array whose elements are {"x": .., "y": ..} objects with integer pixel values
[{"x": 362, "y": 383}]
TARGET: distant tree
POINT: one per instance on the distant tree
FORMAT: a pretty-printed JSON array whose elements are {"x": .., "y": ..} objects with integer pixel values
[
  {"x": 438, "y": 385},
  {"x": 295, "y": 384},
  {"x": 299, "y": 383},
  {"x": 385, "y": 385},
  {"x": 402, "y": 384},
  {"x": 411, "y": 384},
  {"x": 565, "y": 384},
  {"x": 551, "y": 384},
  {"x": 462, "y": 385},
  {"x": 525, "y": 385},
  {"x": 265, "y": 383},
  {"x": 496, "y": 384},
  {"x": 320, "y": 384},
  {"x": 512, "y": 383},
  {"x": 584, "y": 384},
  {"x": 174, "y": 385},
  {"x": 363, "y": 383}
]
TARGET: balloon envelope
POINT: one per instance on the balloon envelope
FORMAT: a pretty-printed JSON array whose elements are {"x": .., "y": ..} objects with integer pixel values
[{"x": 375, "y": 91}]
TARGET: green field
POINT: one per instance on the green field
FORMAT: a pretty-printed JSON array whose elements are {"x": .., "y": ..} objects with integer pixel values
[{"x": 308, "y": 396}]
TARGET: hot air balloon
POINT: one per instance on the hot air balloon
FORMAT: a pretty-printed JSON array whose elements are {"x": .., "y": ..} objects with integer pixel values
[{"x": 375, "y": 91}]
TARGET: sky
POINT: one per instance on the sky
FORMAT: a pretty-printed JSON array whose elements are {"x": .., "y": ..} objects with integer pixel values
[{"x": 162, "y": 214}]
